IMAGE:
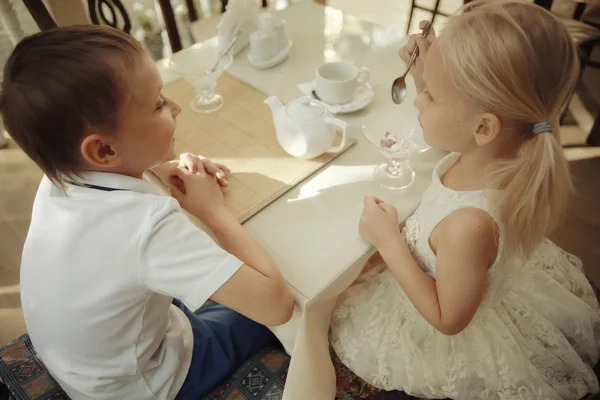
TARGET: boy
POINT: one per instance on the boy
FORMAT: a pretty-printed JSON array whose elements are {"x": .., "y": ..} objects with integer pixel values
[{"x": 106, "y": 252}]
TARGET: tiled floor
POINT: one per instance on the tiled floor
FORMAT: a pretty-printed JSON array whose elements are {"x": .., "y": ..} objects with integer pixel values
[{"x": 579, "y": 233}]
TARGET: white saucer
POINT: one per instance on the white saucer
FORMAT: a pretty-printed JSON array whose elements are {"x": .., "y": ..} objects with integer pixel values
[
  {"x": 362, "y": 98},
  {"x": 274, "y": 61}
]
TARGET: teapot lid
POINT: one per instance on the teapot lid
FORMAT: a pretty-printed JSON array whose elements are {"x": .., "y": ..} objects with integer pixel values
[{"x": 304, "y": 109}]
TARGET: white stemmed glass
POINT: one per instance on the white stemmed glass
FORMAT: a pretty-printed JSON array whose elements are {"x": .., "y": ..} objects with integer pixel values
[
  {"x": 399, "y": 137},
  {"x": 194, "y": 65}
]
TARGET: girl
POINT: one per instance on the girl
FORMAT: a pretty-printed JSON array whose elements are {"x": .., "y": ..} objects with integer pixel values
[{"x": 471, "y": 300}]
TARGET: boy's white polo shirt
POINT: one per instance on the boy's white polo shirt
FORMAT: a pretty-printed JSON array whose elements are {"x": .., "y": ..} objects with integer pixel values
[{"x": 98, "y": 275}]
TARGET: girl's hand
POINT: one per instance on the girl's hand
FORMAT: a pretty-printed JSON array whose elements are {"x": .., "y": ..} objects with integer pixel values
[
  {"x": 423, "y": 44},
  {"x": 379, "y": 223},
  {"x": 193, "y": 163}
]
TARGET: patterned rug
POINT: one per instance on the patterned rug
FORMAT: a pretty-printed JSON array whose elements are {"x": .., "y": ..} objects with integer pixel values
[
  {"x": 262, "y": 377},
  {"x": 25, "y": 375},
  {"x": 351, "y": 387}
]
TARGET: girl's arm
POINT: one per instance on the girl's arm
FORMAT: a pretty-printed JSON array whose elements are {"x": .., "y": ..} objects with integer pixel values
[
  {"x": 465, "y": 248},
  {"x": 407, "y": 51}
]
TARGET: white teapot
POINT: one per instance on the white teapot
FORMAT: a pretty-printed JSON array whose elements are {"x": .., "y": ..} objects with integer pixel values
[{"x": 304, "y": 128}]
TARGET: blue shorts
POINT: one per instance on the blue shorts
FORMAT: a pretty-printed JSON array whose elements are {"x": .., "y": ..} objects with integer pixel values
[{"x": 223, "y": 340}]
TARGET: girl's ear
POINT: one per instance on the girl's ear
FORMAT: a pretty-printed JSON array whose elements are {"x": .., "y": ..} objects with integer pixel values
[{"x": 488, "y": 129}]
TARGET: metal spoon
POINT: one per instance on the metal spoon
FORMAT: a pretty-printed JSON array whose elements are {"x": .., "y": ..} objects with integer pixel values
[
  {"x": 399, "y": 85},
  {"x": 236, "y": 36}
]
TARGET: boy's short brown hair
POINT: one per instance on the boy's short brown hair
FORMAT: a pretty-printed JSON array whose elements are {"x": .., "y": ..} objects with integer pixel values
[{"x": 60, "y": 84}]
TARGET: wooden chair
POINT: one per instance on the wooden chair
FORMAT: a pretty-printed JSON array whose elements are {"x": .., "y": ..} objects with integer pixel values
[
  {"x": 587, "y": 35},
  {"x": 264, "y": 4},
  {"x": 97, "y": 8},
  {"x": 585, "y": 32},
  {"x": 116, "y": 13},
  {"x": 434, "y": 11}
]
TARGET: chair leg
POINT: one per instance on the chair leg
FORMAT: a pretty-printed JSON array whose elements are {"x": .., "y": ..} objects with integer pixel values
[
  {"x": 410, "y": 15},
  {"x": 264, "y": 4},
  {"x": 579, "y": 10},
  {"x": 170, "y": 24},
  {"x": 547, "y": 4},
  {"x": 435, "y": 11},
  {"x": 191, "y": 7},
  {"x": 40, "y": 14},
  {"x": 594, "y": 136},
  {"x": 4, "y": 393}
]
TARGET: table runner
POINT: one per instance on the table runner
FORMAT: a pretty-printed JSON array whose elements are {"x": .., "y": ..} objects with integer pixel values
[{"x": 241, "y": 135}]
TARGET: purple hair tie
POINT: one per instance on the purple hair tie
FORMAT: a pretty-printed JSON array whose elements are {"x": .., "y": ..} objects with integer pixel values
[{"x": 542, "y": 127}]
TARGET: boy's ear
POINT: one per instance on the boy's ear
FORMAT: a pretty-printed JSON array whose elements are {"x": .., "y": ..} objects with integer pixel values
[
  {"x": 488, "y": 129},
  {"x": 100, "y": 151}
]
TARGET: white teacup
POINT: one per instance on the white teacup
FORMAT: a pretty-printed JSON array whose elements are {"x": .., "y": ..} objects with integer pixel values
[{"x": 335, "y": 82}]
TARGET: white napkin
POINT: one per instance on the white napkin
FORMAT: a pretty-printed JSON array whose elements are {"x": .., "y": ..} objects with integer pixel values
[
  {"x": 363, "y": 96},
  {"x": 242, "y": 15}
]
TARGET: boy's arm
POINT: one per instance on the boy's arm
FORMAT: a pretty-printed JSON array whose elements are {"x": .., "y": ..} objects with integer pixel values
[
  {"x": 258, "y": 288},
  {"x": 466, "y": 247},
  {"x": 235, "y": 240},
  {"x": 162, "y": 170},
  {"x": 180, "y": 260}
]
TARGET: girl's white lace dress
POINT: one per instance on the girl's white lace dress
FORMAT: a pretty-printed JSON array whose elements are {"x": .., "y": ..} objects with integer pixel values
[{"x": 536, "y": 334}]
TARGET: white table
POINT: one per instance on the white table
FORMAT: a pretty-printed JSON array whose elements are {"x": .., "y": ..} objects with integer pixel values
[{"x": 312, "y": 231}]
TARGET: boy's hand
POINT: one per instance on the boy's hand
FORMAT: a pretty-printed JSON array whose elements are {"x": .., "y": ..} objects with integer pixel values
[
  {"x": 379, "y": 223},
  {"x": 407, "y": 51},
  {"x": 198, "y": 193},
  {"x": 193, "y": 163}
]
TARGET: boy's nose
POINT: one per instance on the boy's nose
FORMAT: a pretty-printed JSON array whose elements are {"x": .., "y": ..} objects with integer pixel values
[{"x": 175, "y": 109}]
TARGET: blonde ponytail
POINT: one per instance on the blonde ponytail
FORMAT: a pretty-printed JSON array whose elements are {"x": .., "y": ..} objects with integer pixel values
[
  {"x": 516, "y": 60},
  {"x": 536, "y": 186}
]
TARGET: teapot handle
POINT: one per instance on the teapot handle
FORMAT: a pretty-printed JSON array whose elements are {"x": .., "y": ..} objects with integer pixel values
[{"x": 344, "y": 127}]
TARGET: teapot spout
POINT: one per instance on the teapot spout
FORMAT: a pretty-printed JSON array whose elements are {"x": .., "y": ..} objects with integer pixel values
[{"x": 274, "y": 103}]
